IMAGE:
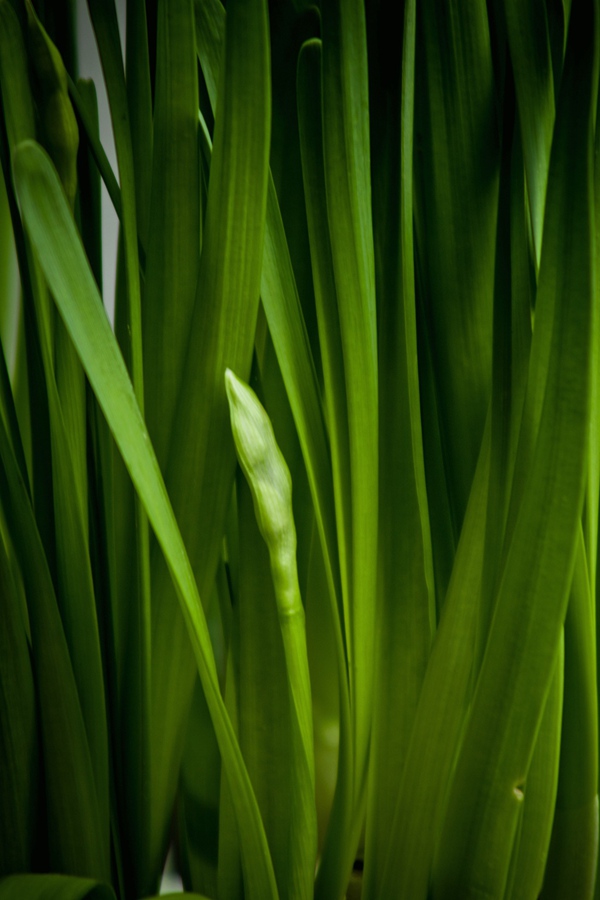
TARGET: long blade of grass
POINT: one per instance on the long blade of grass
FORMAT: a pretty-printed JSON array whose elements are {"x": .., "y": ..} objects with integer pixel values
[
  {"x": 19, "y": 750},
  {"x": 529, "y": 44},
  {"x": 456, "y": 189},
  {"x": 65, "y": 385},
  {"x": 87, "y": 122},
  {"x": 76, "y": 833},
  {"x": 530, "y": 854},
  {"x": 104, "y": 19},
  {"x": 89, "y": 179},
  {"x": 174, "y": 235},
  {"x": 20, "y": 125},
  {"x": 8, "y": 404},
  {"x": 61, "y": 255},
  {"x": 198, "y": 821},
  {"x": 440, "y": 714},
  {"x": 477, "y": 837},
  {"x": 572, "y": 858},
  {"x": 333, "y": 867},
  {"x": 139, "y": 95},
  {"x": 407, "y": 614},
  {"x": 347, "y": 181},
  {"x": 290, "y": 339},
  {"x": 60, "y": 137},
  {"x": 67, "y": 434},
  {"x": 138, "y": 780},
  {"x": 173, "y": 244},
  {"x": 201, "y": 459}
]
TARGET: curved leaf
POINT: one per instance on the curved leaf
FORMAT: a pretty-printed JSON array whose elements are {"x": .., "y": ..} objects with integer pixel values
[{"x": 60, "y": 252}]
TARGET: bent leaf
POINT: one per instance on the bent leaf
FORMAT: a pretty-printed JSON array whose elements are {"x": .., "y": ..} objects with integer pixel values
[{"x": 52, "y": 232}]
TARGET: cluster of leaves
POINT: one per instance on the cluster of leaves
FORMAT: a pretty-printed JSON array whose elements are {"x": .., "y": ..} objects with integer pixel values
[{"x": 391, "y": 234}]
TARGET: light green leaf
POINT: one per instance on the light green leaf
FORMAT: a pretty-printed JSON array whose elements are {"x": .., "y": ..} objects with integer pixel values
[{"x": 57, "y": 244}]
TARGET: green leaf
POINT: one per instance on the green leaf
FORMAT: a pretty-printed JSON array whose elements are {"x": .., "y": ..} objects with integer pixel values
[
  {"x": 456, "y": 190},
  {"x": 201, "y": 458},
  {"x": 53, "y": 887},
  {"x": 59, "y": 133},
  {"x": 19, "y": 736},
  {"x": 20, "y": 125},
  {"x": 198, "y": 805},
  {"x": 572, "y": 859},
  {"x": 406, "y": 590},
  {"x": 477, "y": 837},
  {"x": 74, "y": 583},
  {"x": 348, "y": 190},
  {"x": 535, "y": 827},
  {"x": 57, "y": 244},
  {"x": 16, "y": 91},
  {"x": 77, "y": 834},
  {"x": 283, "y": 312},
  {"x": 173, "y": 241},
  {"x": 440, "y": 714},
  {"x": 139, "y": 784},
  {"x": 139, "y": 95},
  {"x": 88, "y": 123},
  {"x": 529, "y": 44}
]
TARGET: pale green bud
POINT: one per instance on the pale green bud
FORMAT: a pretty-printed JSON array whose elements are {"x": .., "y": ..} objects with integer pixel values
[{"x": 270, "y": 483}]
